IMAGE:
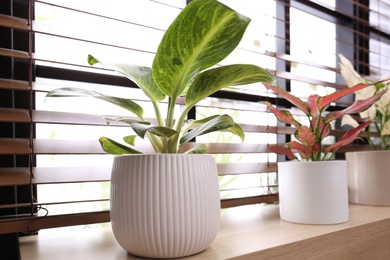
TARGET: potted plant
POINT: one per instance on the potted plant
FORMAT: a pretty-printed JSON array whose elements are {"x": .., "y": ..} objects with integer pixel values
[
  {"x": 166, "y": 204},
  {"x": 368, "y": 174},
  {"x": 313, "y": 189}
]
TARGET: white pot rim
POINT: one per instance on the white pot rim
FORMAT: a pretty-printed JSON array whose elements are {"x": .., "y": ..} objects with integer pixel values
[
  {"x": 313, "y": 162},
  {"x": 162, "y": 154},
  {"x": 370, "y": 151}
]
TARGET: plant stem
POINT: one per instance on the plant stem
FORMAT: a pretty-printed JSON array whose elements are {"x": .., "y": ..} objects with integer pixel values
[
  {"x": 171, "y": 111},
  {"x": 173, "y": 142},
  {"x": 157, "y": 112}
]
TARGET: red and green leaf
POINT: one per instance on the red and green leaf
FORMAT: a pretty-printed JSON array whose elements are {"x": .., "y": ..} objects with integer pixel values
[
  {"x": 357, "y": 107},
  {"x": 312, "y": 101},
  {"x": 283, "y": 150},
  {"x": 282, "y": 115},
  {"x": 305, "y": 136},
  {"x": 304, "y": 151},
  {"x": 292, "y": 99},
  {"x": 347, "y": 138},
  {"x": 323, "y": 128},
  {"x": 324, "y": 101}
]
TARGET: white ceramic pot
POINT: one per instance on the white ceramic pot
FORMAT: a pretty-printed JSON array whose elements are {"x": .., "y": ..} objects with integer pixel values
[
  {"x": 313, "y": 192},
  {"x": 165, "y": 205},
  {"x": 369, "y": 177}
]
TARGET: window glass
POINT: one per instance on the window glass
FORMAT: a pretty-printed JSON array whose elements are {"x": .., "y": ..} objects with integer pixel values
[
  {"x": 379, "y": 46},
  {"x": 316, "y": 50}
]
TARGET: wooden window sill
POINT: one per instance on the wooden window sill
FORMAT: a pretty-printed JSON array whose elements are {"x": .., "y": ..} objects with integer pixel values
[{"x": 246, "y": 232}]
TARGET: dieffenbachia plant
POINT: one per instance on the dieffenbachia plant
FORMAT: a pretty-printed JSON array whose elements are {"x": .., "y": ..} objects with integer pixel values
[
  {"x": 203, "y": 34},
  {"x": 378, "y": 113},
  {"x": 308, "y": 138}
]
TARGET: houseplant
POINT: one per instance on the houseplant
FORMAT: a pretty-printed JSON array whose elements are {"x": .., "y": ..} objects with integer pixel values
[
  {"x": 166, "y": 204},
  {"x": 368, "y": 176},
  {"x": 313, "y": 189}
]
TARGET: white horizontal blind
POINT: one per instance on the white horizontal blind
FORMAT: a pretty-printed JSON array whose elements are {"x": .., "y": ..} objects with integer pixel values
[
  {"x": 296, "y": 40},
  {"x": 69, "y": 169}
]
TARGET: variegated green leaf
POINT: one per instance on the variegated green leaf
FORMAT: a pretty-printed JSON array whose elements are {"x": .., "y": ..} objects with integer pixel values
[
  {"x": 140, "y": 75},
  {"x": 203, "y": 34},
  {"x": 130, "y": 139},
  {"x": 350, "y": 76},
  {"x": 386, "y": 128},
  {"x": 219, "y": 123},
  {"x": 79, "y": 92},
  {"x": 142, "y": 129},
  {"x": 126, "y": 120},
  {"x": 200, "y": 149},
  {"x": 212, "y": 80},
  {"x": 113, "y": 147},
  {"x": 349, "y": 120},
  {"x": 237, "y": 130}
]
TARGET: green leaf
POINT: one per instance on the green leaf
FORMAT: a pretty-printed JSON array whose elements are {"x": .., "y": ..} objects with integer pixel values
[
  {"x": 201, "y": 121},
  {"x": 130, "y": 139},
  {"x": 203, "y": 34},
  {"x": 201, "y": 149},
  {"x": 217, "y": 124},
  {"x": 126, "y": 120},
  {"x": 113, "y": 147},
  {"x": 237, "y": 130},
  {"x": 212, "y": 80},
  {"x": 162, "y": 131},
  {"x": 140, "y": 75},
  {"x": 386, "y": 129},
  {"x": 79, "y": 92}
]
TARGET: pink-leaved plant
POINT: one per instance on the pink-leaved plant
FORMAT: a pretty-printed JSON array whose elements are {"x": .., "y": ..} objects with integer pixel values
[{"x": 308, "y": 138}]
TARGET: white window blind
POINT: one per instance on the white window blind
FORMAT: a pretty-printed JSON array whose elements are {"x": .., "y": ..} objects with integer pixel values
[{"x": 51, "y": 161}]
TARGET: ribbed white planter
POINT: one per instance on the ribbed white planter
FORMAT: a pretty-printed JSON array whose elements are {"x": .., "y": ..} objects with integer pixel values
[
  {"x": 165, "y": 205},
  {"x": 369, "y": 177},
  {"x": 313, "y": 192}
]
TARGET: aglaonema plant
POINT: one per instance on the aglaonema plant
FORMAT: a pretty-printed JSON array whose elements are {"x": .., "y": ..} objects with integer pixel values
[
  {"x": 378, "y": 113},
  {"x": 309, "y": 138},
  {"x": 186, "y": 64}
]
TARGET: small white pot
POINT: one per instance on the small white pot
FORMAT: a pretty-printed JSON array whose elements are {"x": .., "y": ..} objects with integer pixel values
[
  {"x": 313, "y": 192},
  {"x": 165, "y": 205},
  {"x": 369, "y": 177}
]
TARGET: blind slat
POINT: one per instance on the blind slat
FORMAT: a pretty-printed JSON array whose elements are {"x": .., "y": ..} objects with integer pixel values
[
  {"x": 15, "y": 146},
  {"x": 14, "y": 176},
  {"x": 14, "y": 53},
  {"x": 14, "y": 84},
  {"x": 14, "y": 22},
  {"x": 53, "y": 175},
  {"x": 37, "y": 223},
  {"x": 14, "y": 115}
]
